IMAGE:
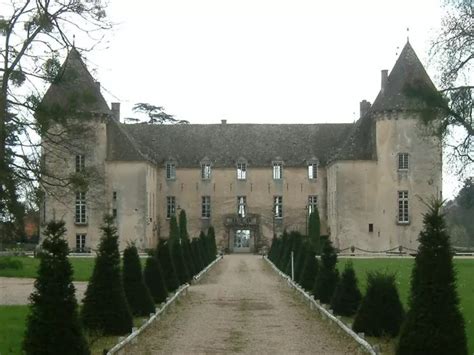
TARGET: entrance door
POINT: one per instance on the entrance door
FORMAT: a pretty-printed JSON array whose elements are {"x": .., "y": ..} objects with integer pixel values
[{"x": 242, "y": 241}]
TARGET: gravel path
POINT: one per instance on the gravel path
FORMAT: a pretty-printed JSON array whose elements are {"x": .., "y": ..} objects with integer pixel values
[
  {"x": 241, "y": 306},
  {"x": 17, "y": 290}
]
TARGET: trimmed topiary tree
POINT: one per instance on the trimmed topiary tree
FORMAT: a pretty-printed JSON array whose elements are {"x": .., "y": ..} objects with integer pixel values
[
  {"x": 300, "y": 257},
  {"x": 154, "y": 280},
  {"x": 105, "y": 309},
  {"x": 176, "y": 252},
  {"x": 211, "y": 235},
  {"x": 434, "y": 324},
  {"x": 327, "y": 277},
  {"x": 167, "y": 266},
  {"x": 296, "y": 241},
  {"x": 381, "y": 312},
  {"x": 197, "y": 252},
  {"x": 347, "y": 296},
  {"x": 310, "y": 269},
  {"x": 285, "y": 241},
  {"x": 138, "y": 295},
  {"x": 204, "y": 247},
  {"x": 53, "y": 326},
  {"x": 314, "y": 230},
  {"x": 186, "y": 244}
]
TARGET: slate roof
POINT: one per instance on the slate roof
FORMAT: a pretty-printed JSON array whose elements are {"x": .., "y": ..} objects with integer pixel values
[
  {"x": 224, "y": 144},
  {"x": 75, "y": 88},
  {"x": 408, "y": 71}
]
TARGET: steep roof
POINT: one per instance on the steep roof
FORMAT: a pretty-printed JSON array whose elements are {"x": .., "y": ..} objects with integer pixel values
[
  {"x": 75, "y": 88},
  {"x": 224, "y": 144},
  {"x": 120, "y": 146},
  {"x": 407, "y": 72}
]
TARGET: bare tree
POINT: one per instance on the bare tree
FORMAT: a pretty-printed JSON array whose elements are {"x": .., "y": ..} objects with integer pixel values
[{"x": 34, "y": 35}]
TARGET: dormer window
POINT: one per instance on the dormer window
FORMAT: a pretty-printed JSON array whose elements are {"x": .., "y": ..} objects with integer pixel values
[
  {"x": 277, "y": 170},
  {"x": 403, "y": 161},
  {"x": 241, "y": 169},
  {"x": 205, "y": 169},
  {"x": 170, "y": 170},
  {"x": 313, "y": 169}
]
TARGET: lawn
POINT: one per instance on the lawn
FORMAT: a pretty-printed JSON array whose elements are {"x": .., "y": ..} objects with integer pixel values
[
  {"x": 82, "y": 267},
  {"x": 402, "y": 269}
]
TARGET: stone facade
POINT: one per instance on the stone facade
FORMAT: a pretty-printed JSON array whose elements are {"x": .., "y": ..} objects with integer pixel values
[{"x": 370, "y": 179}]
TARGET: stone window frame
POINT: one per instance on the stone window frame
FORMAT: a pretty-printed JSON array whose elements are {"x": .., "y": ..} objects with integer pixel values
[
  {"x": 170, "y": 169},
  {"x": 403, "y": 216},
  {"x": 278, "y": 206},
  {"x": 81, "y": 242},
  {"x": 80, "y": 163},
  {"x": 314, "y": 172},
  {"x": 80, "y": 212},
  {"x": 206, "y": 169},
  {"x": 242, "y": 206},
  {"x": 403, "y": 161},
  {"x": 277, "y": 169},
  {"x": 241, "y": 173},
  {"x": 312, "y": 202},
  {"x": 206, "y": 207},
  {"x": 170, "y": 206}
]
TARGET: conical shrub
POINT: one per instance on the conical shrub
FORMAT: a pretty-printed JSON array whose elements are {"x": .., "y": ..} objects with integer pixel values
[
  {"x": 105, "y": 308},
  {"x": 211, "y": 235},
  {"x": 167, "y": 265},
  {"x": 347, "y": 296},
  {"x": 296, "y": 241},
  {"x": 53, "y": 326},
  {"x": 138, "y": 295},
  {"x": 381, "y": 312},
  {"x": 154, "y": 280},
  {"x": 434, "y": 323},
  {"x": 186, "y": 244},
  {"x": 327, "y": 277},
  {"x": 314, "y": 230},
  {"x": 197, "y": 252},
  {"x": 176, "y": 252},
  {"x": 310, "y": 270}
]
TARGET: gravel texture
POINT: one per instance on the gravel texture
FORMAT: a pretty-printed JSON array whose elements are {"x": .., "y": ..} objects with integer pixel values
[
  {"x": 241, "y": 306},
  {"x": 17, "y": 290}
]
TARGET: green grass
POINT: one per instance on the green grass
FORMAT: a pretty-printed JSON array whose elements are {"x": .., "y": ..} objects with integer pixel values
[
  {"x": 402, "y": 269},
  {"x": 12, "y": 328},
  {"x": 83, "y": 267}
]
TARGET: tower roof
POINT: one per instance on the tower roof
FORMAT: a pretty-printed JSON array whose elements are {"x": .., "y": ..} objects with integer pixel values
[
  {"x": 74, "y": 88},
  {"x": 407, "y": 72}
]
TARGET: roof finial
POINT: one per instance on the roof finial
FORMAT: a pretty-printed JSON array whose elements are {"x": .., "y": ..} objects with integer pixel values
[
  {"x": 74, "y": 40},
  {"x": 408, "y": 34}
]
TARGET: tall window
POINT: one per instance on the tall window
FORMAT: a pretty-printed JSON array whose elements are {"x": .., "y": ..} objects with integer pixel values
[
  {"x": 80, "y": 163},
  {"x": 403, "y": 207},
  {"x": 205, "y": 171},
  {"x": 114, "y": 195},
  {"x": 312, "y": 171},
  {"x": 80, "y": 216},
  {"x": 170, "y": 206},
  {"x": 80, "y": 242},
  {"x": 206, "y": 207},
  {"x": 242, "y": 206},
  {"x": 241, "y": 171},
  {"x": 402, "y": 161},
  {"x": 278, "y": 206},
  {"x": 277, "y": 170},
  {"x": 170, "y": 170},
  {"x": 312, "y": 203}
]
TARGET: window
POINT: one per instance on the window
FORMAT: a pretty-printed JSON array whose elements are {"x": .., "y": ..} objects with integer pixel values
[
  {"x": 170, "y": 170},
  {"x": 241, "y": 171},
  {"x": 114, "y": 213},
  {"x": 277, "y": 170},
  {"x": 402, "y": 161},
  {"x": 206, "y": 207},
  {"x": 80, "y": 217},
  {"x": 312, "y": 203},
  {"x": 170, "y": 206},
  {"x": 278, "y": 206},
  {"x": 80, "y": 163},
  {"x": 205, "y": 171},
  {"x": 114, "y": 195},
  {"x": 80, "y": 242},
  {"x": 403, "y": 207},
  {"x": 242, "y": 206},
  {"x": 312, "y": 171},
  {"x": 371, "y": 227}
]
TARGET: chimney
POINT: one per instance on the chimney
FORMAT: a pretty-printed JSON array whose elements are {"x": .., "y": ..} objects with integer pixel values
[
  {"x": 384, "y": 79},
  {"x": 116, "y": 111},
  {"x": 364, "y": 107},
  {"x": 223, "y": 121}
]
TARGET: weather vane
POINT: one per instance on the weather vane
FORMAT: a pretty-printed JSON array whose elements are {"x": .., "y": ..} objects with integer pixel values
[{"x": 408, "y": 34}]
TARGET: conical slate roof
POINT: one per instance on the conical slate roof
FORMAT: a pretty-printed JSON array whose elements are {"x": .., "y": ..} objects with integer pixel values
[
  {"x": 407, "y": 72},
  {"x": 75, "y": 89}
]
